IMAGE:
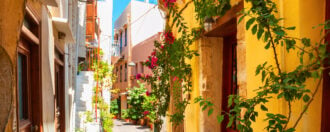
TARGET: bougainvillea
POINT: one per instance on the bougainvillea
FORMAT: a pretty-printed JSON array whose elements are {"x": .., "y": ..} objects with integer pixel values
[{"x": 169, "y": 3}]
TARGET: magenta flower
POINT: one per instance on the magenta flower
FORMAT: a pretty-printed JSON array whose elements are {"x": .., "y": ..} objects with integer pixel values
[
  {"x": 162, "y": 46},
  {"x": 153, "y": 64},
  {"x": 168, "y": 3},
  {"x": 148, "y": 76},
  {"x": 138, "y": 76},
  {"x": 175, "y": 78},
  {"x": 148, "y": 93},
  {"x": 153, "y": 53},
  {"x": 146, "y": 113},
  {"x": 169, "y": 38}
]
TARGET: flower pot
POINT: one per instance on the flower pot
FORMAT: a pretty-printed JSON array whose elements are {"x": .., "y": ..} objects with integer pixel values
[
  {"x": 114, "y": 117},
  {"x": 127, "y": 120},
  {"x": 134, "y": 122},
  {"x": 142, "y": 122}
]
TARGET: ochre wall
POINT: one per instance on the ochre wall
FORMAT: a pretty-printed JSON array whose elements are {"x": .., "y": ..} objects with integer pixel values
[{"x": 304, "y": 15}]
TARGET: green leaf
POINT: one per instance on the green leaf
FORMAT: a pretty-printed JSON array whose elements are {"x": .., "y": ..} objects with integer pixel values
[
  {"x": 271, "y": 122},
  {"x": 254, "y": 29},
  {"x": 231, "y": 119},
  {"x": 220, "y": 118},
  {"x": 230, "y": 100},
  {"x": 291, "y": 28},
  {"x": 241, "y": 18},
  {"x": 290, "y": 130},
  {"x": 263, "y": 107},
  {"x": 210, "y": 112},
  {"x": 260, "y": 32},
  {"x": 306, "y": 41},
  {"x": 267, "y": 45},
  {"x": 249, "y": 23},
  {"x": 279, "y": 32},
  {"x": 306, "y": 98}
]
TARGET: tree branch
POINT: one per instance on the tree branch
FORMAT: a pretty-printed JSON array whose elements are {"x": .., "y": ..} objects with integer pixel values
[
  {"x": 180, "y": 12},
  {"x": 308, "y": 104},
  {"x": 289, "y": 116},
  {"x": 274, "y": 50}
]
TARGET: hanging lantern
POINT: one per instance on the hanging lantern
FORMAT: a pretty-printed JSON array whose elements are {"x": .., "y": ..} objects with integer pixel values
[{"x": 208, "y": 23}]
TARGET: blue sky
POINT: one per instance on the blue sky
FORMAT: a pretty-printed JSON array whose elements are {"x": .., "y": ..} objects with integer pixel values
[{"x": 120, "y": 5}]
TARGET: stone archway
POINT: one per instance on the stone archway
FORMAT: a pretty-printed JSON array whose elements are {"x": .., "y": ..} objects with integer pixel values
[{"x": 6, "y": 88}]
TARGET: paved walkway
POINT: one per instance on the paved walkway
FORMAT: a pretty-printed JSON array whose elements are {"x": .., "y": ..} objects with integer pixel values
[{"x": 121, "y": 126}]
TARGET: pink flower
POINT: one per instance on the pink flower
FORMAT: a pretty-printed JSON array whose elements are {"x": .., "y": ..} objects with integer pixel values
[
  {"x": 148, "y": 93},
  {"x": 168, "y": 3},
  {"x": 148, "y": 76},
  {"x": 153, "y": 64},
  {"x": 169, "y": 38},
  {"x": 175, "y": 78},
  {"x": 146, "y": 113},
  {"x": 153, "y": 53},
  {"x": 162, "y": 46},
  {"x": 138, "y": 76}
]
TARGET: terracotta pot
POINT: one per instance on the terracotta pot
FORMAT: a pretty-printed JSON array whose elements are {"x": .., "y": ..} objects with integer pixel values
[
  {"x": 127, "y": 120},
  {"x": 142, "y": 122},
  {"x": 114, "y": 117},
  {"x": 151, "y": 125},
  {"x": 134, "y": 122}
]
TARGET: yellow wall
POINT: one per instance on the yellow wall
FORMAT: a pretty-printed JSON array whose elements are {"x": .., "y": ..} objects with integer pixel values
[{"x": 302, "y": 14}]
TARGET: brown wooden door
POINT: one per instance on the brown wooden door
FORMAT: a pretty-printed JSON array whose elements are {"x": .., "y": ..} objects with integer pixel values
[
  {"x": 229, "y": 86},
  {"x": 24, "y": 88},
  {"x": 59, "y": 94},
  {"x": 326, "y": 83}
]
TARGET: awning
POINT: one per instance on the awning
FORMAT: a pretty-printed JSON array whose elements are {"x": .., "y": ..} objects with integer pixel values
[{"x": 62, "y": 25}]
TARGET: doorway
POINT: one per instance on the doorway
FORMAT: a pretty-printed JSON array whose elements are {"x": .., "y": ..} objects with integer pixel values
[
  {"x": 229, "y": 76},
  {"x": 59, "y": 92},
  {"x": 29, "y": 95},
  {"x": 325, "y": 127}
]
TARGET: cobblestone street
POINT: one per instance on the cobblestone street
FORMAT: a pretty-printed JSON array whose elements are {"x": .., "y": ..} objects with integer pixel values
[{"x": 121, "y": 126}]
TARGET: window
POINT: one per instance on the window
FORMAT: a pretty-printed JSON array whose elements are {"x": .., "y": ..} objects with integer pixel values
[
  {"x": 23, "y": 108},
  {"x": 136, "y": 68},
  {"x": 121, "y": 68},
  {"x": 142, "y": 67},
  {"x": 121, "y": 41},
  {"x": 125, "y": 71},
  {"x": 125, "y": 36}
]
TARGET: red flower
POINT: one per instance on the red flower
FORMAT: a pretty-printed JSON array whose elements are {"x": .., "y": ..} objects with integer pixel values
[
  {"x": 153, "y": 53},
  {"x": 138, "y": 76},
  {"x": 148, "y": 93},
  {"x": 175, "y": 78},
  {"x": 153, "y": 64},
  {"x": 148, "y": 76},
  {"x": 168, "y": 3},
  {"x": 146, "y": 113},
  {"x": 169, "y": 38},
  {"x": 162, "y": 46}
]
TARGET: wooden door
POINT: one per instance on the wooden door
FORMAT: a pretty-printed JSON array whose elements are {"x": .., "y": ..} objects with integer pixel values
[
  {"x": 24, "y": 88},
  {"x": 325, "y": 127},
  {"x": 229, "y": 86},
  {"x": 59, "y": 93}
]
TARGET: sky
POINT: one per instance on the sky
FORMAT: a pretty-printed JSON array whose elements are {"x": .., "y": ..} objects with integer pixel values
[{"x": 120, "y": 5}]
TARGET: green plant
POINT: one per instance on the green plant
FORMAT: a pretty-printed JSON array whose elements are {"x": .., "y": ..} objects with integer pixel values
[
  {"x": 135, "y": 100},
  {"x": 88, "y": 115},
  {"x": 107, "y": 121},
  {"x": 149, "y": 108},
  {"x": 124, "y": 114},
  {"x": 114, "y": 108}
]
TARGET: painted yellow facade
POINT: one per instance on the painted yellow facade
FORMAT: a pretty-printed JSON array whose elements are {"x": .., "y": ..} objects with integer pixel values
[{"x": 304, "y": 14}]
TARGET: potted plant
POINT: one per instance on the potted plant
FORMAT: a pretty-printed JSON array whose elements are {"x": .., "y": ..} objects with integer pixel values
[
  {"x": 135, "y": 100},
  {"x": 114, "y": 108}
]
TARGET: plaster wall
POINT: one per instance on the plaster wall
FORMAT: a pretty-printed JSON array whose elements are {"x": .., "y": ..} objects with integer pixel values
[{"x": 47, "y": 70}]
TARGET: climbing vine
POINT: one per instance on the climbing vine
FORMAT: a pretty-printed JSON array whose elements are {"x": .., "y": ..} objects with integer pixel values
[{"x": 171, "y": 78}]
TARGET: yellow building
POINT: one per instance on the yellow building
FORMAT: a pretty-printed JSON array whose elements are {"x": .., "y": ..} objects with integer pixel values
[{"x": 228, "y": 41}]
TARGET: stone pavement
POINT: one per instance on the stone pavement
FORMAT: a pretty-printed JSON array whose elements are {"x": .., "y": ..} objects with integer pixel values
[{"x": 121, "y": 126}]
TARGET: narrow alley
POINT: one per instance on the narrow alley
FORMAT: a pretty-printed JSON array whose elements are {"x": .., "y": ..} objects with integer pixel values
[{"x": 164, "y": 66}]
